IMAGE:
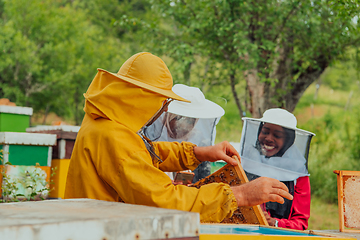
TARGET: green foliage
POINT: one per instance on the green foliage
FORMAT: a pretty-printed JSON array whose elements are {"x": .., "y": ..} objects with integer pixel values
[
  {"x": 323, "y": 216},
  {"x": 33, "y": 181},
  {"x": 49, "y": 55},
  {"x": 230, "y": 125},
  {"x": 286, "y": 44},
  {"x": 9, "y": 189},
  {"x": 50, "y": 49},
  {"x": 335, "y": 146},
  {"x": 343, "y": 75}
]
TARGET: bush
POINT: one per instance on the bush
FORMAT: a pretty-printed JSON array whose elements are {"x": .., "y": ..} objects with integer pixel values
[{"x": 335, "y": 147}]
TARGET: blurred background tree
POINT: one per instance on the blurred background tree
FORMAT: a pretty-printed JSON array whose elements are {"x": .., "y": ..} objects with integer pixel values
[
  {"x": 278, "y": 47},
  {"x": 49, "y": 55}
]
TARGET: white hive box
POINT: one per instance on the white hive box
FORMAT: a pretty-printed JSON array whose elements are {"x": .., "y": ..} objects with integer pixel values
[
  {"x": 62, "y": 150},
  {"x": 14, "y": 119},
  {"x": 26, "y": 157},
  {"x": 65, "y": 135},
  {"x": 94, "y": 219}
]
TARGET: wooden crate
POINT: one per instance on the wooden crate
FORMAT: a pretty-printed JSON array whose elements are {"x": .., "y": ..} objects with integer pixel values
[
  {"x": 27, "y": 149},
  {"x": 235, "y": 175},
  {"x": 348, "y": 185},
  {"x": 65, "y": 138},
  {"x": 61, "y": 154},
  {"x": 61, "y": 167},
  {"x": 14, "y": 119}
]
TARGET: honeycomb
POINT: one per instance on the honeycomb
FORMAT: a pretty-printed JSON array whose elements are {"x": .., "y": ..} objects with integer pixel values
[
  {"x": 351, "y": 202},
  {"x": 235, "y": 176}
]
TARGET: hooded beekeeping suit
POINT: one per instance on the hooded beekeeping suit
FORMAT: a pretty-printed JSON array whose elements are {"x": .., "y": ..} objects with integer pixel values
[
  {"x": 112, "y": 160},
  {"x": 274, "y": 147}
]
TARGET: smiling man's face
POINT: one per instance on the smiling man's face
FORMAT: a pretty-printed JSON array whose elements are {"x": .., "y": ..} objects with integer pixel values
[{"x": 271, "y": 139}]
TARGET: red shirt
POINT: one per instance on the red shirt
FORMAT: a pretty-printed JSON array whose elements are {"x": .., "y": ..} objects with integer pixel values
[{"x": 300, "y": 208}]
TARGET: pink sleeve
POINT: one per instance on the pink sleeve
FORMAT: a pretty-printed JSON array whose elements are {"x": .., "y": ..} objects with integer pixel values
[{"x": 300, "y": 209}]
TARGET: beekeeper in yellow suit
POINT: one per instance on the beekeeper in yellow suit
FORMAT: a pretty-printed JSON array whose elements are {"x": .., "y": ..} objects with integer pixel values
[{"x": 112, "y": 160}]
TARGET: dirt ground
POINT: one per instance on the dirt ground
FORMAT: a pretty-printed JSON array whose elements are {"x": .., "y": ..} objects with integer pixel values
[{"x": 51, "y": 119}]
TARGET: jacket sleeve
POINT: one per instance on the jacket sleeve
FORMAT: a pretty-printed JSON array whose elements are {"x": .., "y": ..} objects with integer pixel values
[
  {"x": 175, "y": 160},
  {"x": 136, "y": 180},
  {"x": 300, "y": 209}
]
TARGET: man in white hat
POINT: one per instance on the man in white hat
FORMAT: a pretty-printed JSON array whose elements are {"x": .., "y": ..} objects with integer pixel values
[
  {"x": 113, "y": 160},
  {"x": 193, "y": 122},
  {"x": 274, "y": 147}
]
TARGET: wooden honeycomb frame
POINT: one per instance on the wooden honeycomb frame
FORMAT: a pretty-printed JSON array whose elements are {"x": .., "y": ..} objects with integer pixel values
[
  {"x": 235, "y": 175},
  {"x": 342, "y": 178}
]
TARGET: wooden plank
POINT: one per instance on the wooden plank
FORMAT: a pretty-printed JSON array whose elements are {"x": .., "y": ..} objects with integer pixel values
[
  {"x": 235, "y": 175},
  {"x": 91, "y": 219},
  {"x": 341, "y": 203}
]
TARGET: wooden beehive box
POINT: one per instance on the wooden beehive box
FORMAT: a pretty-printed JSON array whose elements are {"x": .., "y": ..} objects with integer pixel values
[
  {"x": 62, "y": 150},
  {"x": 27, "y": 149},
  {"x": 348, "y": 183},
  {"x": 235, "y": 175},
  {"x": 14, "y": 119},
  {"x": 26, "y": 157},
  {"x": 65, "y": 138}
]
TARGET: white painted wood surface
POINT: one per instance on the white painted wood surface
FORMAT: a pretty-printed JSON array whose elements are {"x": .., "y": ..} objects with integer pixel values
[{"x": 93, "y": 219}]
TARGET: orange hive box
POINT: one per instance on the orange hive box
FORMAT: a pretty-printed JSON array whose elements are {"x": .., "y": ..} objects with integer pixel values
[
  {"x": 348, "y": 185},
  {"x": 235, "y": 175}
]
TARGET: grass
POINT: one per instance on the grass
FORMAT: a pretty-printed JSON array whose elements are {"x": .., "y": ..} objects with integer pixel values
[{"x": 323, "y": 216}]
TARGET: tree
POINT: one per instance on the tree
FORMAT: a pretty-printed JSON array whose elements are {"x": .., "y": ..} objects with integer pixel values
[
  {"x": 49, "y": 55},
  {"x": 278, "y": 47}
]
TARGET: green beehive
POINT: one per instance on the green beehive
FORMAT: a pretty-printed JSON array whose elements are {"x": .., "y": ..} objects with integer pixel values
[
  {"x": 14, "y": 119},
  {"x": 27, "y": 149},
  {"x": 26, "y": 164}
]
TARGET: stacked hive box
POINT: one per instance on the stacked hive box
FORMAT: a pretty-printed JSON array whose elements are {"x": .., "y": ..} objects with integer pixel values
[
  {"x": 14, "y": 119},
  {"x": 66, "y": 136},
  {"x": 93, "y": 220},
  {"x": 25, "y": 167}
]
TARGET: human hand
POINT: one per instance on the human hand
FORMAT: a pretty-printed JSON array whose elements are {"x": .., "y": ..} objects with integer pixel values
[
  {"x": 271, "y": 221},
  {"x": 261, "y": 190},
  {"x": 221, "y": 151},
  {"x": 180, "y": 183},
  {"x": 183, "y": 178}
]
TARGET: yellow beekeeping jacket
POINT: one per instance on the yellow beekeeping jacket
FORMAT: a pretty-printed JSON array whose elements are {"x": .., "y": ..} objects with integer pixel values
[{"x": 110, "y": 161}]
